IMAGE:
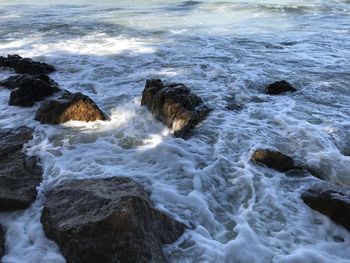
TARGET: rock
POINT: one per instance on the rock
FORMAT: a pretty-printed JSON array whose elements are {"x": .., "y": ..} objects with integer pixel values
[
  {"x": 26, "y": 65},
  {"x": 71, "y": 106},
  {"x": 2, "y": 243},
  {"x": 330, "y": 200},
  {"x": 107, "y": 221},
  {"x": 275, "y": 160},
  {"x": 29, "y": 89},
  {"x": 174, "y": 105},
  {"x": 19, "y": 174},
  {"x": 279, "y": 87}
]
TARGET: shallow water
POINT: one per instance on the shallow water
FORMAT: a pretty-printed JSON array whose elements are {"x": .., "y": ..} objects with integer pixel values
[{"x": 226, "y": 52}]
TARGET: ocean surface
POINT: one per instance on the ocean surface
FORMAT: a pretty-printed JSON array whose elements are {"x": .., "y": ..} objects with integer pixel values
[{"x": 226, "y": 52}]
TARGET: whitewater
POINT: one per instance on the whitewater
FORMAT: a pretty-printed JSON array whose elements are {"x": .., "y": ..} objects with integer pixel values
[{"x": 226, "y": 52}]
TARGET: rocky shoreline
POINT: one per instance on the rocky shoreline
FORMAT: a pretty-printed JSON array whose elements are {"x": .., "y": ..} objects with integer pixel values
[{"x": 113, "y": 219}]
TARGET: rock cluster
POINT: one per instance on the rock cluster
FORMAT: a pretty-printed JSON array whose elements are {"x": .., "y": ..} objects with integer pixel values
[
  {"x": 174, "y": 105},
  {"x": 107, "y": 221},
  {"x": 27, "y": 89},
  {"x": 19, "y": 173},
  {"x": 26, "y": 65}
]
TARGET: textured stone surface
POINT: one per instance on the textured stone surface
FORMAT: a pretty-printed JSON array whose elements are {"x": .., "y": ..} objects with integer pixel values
[
  {"x": 107, "y": 221},
  {"x": 19, "y": 174},
  {"x": 330, "y": 200},
  {"x": 26, "y": 65},
  {"x": 71, "y": 106},
  {"x": 174, "y": 105},
  {"x": 27, "y": 89},
  {"x": 279, "y": 87}
]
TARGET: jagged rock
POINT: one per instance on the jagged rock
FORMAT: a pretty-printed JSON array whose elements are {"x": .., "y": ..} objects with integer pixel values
[
  {"x": 107, "y": 221},
  {"x": 26, "y": 65},
  {"x": 279, "y": 87},
  {"x": 71, "y": 106},
  {"x": 330, "y": 200},
  {"x": 174, "y": 105},
  {"x": 275, "y": 160},
  {"x": 2, "y": 243},
  {"x": 29, "y": 89},
  {"x": 19, "y": 174}
]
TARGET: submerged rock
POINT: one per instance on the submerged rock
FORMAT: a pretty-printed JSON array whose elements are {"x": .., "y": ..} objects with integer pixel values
[
  {"x": 279, "y": 87},
  {"x": 29, "y": 89},
  {"x": 330, "y": 200},
  {"x": 275, "y": 160},
  {"x": 107, "y": 221},
  {"x": 71, "y": 106},
  {"x": 19, "y": 174},
  {"x": 26, "y": 65},
  {"x": 174, "y": 105},
  {"x": 2, "y": 243}
]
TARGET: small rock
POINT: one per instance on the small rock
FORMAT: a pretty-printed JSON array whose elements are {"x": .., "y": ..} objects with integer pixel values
[
  {"x": 19, "y": 174},
  {"x": 26, "y": 65},
  {"x": 174, "y": 105},
  {"x": 71, "y": 106},
  {"x": 275, "y": 160},
  {"x": 279, "y": 87},
  {"x": 29, "y": 89},
  {"x": 107, "y": 221},
  {"x": 330, "y": 200},
  {"x": 2, "y": 243}
]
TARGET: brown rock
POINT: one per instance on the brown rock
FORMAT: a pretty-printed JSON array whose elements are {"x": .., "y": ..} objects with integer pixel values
[
  {"x": 29, "y": 89},
  {"x": 330, "y": 200},
  {"x": 26, "y": 65},
  {"x": 19, "y": 174},
  {"x": 279, "y": 87},
  {"x": 174, "y": 105},
  {"x": 107, "y": 221},
  {"x": 275, "y": 160},
  {"x": 71, "y": 106}
]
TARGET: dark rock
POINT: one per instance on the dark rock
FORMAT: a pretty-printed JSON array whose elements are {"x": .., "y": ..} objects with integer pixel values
[
  {"x": 174, "y": 105},
  {"x": 107, "y": 221},
  {"x": 71, "y": 106},
  {"x": 19, "y": 174},
  {"x": 330, "y": 200},
  {"x": 2, "y": 243},
  {"x": 26, "y": 65},
  {"x": 279, "y": 87},
  {"x": 275, "y": 160},
  {"x": 29, "y": 89}
]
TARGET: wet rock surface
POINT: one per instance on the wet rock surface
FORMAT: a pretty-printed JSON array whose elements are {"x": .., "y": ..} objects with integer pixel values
[
  {"x": 174, "y": 105},
  {"x": 27, "y": 89},
  {"x": 19, "y": 174},
  {"x": 26, "y": 65},
  {"x": 2, "y": 243},
  {"x": 107, "y": 221},
  {"x": 279, "y": 87},
  {"x": 330, "y": 200},
  {"x": 275, "y": 160},
  {"x": 71, "y": 106}
]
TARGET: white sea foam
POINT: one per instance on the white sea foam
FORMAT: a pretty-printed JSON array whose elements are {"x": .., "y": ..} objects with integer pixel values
[{"x": 226, "y": 52}]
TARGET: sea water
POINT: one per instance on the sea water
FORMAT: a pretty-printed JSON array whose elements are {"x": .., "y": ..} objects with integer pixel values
[{"x": 226, "y": 52}]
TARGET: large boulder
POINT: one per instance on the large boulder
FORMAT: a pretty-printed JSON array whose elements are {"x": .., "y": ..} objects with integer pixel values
[
  {"x": 27, "y": 89},
  {"x": 174, "y": 105},
  {"x": 107, "y": 221},
  {"x": 2, "y": 243},
  {"x": 330, "y": 200},
  {"x": 279, "y": 87},
  {"x": 26, "y": 65},
  {"x": 275, "y": 160},
  {"x": 71, "y": 106},
  {"x": 19, "y": 174}
]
